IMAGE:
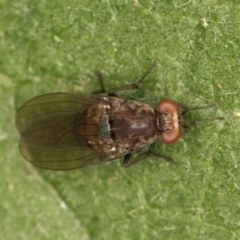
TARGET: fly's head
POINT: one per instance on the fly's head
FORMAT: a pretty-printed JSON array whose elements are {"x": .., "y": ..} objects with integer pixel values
[{"x": 169, "y": 121}]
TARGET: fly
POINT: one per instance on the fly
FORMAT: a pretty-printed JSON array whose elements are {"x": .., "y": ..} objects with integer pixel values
[{"x": 63, "y": 131}]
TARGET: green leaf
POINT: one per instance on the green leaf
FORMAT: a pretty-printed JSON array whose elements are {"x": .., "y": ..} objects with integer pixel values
[{"x": 54, "y": 46}]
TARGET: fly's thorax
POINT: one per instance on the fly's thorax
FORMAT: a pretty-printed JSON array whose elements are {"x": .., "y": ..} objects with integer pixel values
[
  {"x": 132, "y": 124},
  {"x": 114, "y": 124}
]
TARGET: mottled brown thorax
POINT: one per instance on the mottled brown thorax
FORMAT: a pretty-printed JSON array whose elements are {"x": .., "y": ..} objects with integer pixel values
[{"x": 117, "y": 125}]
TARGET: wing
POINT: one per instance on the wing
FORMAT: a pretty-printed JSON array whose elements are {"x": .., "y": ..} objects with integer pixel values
[{"x": 48, "y": 139}]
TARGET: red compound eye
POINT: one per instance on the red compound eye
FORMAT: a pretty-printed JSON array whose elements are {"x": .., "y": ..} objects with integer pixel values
[
  {"x": 170, "y": 108},
  {"x": 171, "y": 136}
]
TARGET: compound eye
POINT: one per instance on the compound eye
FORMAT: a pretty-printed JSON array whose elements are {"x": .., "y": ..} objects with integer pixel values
[
  {"x": 170, "y": 136},
  {"x": 168, "y": 106}
]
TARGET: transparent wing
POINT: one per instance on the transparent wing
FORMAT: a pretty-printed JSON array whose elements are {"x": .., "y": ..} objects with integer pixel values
[{"x": 47, "y": 127}]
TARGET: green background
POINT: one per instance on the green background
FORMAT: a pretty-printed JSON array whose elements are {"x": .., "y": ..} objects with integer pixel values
[{"x": 52, "y": 46}]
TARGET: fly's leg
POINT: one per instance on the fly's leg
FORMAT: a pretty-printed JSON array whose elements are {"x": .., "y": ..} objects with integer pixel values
[
  {"x": 127, "y": 159},
  {"x": 99, "y": 76},
  {"x": 127, "y": 162},
  {"x": 167, "y": 159},
  {"x": 112, "y": 91},
  {"x": 187, "y": 109},
  {"x": 195, "y": 122}
]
